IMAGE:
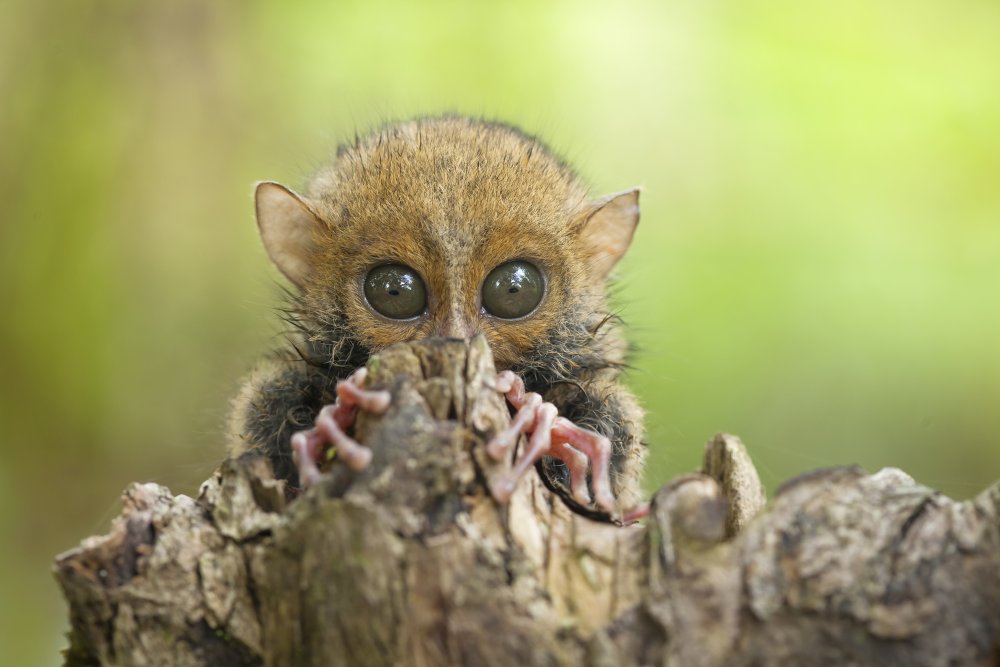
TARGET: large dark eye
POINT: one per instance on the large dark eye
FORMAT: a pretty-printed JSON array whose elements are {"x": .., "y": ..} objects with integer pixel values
[
  {"x": 395, "y": 291},
  {"x": 513, "y": 289}
]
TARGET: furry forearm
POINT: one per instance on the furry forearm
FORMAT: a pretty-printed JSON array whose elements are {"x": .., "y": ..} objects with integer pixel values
[
  {"x": 282, "y": 395},
  {"x": 608, "y": 407}
]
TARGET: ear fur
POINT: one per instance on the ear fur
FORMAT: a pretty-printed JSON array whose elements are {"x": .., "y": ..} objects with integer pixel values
[
  {"x": 608, "y": 229},
  {"x": 286, "y": 226}
]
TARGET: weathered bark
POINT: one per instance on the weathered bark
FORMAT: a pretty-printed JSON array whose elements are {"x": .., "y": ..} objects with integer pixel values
[{"x": 411, "y": 562}]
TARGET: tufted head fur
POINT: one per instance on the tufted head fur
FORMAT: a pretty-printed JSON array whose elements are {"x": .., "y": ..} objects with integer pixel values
[{"x": 451, "y": 198}]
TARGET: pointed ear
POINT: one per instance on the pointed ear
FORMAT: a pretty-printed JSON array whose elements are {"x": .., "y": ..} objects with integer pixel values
[
  {"x": 608, "y": 228},
  {"x": 286, "y": 225}
]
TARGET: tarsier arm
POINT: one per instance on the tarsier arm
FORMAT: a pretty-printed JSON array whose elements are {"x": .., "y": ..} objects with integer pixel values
[
  {"x": 604, "y": 405},
  {"x": 278, "y": 414},
  {"x": 281, "y": 396}
]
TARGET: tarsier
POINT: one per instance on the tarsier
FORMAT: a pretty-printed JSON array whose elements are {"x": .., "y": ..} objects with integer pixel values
[{"x": 451, "y": 227}]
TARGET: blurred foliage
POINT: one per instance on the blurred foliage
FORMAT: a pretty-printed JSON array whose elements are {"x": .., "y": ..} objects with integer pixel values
[{"x": 817, "y": 270}]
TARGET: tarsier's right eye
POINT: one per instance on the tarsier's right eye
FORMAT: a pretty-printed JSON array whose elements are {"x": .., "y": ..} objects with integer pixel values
[{"x": 395, "y": 291}]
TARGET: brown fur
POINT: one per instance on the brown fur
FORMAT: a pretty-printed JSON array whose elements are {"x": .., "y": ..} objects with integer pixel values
[{"x": 453, "y": 198}]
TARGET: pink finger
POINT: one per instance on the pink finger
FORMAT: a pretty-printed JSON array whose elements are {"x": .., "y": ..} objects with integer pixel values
[
  {"x": 342, "y": 413},
  {"x": 354, "y": 455},
  {"x": 512, "y": 386},
  {"x": 598, "y": 449},
  {"x": 504, "y": 381},
  {"x": 640, "y": 511},
  {"x": 538, "y": 446},
  {"x": 350, "y": 394},
  {"x": 522, "y": 422},
  {"x": 578, "y": 465},
  {"x": 307, "y": 446}
]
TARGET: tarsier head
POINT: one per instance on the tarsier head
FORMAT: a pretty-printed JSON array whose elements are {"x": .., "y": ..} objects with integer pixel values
[{"x": 447, "y": 227}]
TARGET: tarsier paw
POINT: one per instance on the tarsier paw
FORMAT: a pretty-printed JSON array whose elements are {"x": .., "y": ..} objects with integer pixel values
[
  {"x": 311, "y": 446},
  {"x": 581, "y": 450}
]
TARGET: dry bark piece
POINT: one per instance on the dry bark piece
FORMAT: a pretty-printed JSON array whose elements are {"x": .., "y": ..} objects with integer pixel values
[
  {"x": 727, "y": 461},
  {"x": 411, "y": 562}
]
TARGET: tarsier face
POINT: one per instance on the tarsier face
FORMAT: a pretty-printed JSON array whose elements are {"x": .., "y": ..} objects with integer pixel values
[{"x": 447, "y": 227}]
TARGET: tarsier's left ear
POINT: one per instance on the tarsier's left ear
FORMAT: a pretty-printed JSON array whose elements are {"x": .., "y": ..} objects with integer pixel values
[{"x": 608, "y": 227}]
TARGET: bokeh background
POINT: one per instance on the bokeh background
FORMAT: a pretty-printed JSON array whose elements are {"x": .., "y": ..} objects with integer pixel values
[{"x": 817, "y": 268}]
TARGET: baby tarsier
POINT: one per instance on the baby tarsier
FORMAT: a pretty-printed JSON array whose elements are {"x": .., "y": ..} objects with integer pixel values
[{"x": 451, "y": 227}]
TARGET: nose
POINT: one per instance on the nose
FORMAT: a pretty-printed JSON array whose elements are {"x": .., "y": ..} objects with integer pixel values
[{"x": 454, "y": 325}]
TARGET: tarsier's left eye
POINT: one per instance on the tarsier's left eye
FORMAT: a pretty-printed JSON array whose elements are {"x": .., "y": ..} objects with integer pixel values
[{"x": 513, "y": 289}]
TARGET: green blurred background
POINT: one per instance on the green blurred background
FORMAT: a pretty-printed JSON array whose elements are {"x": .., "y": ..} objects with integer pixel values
[{"x": 817, "y": 269}]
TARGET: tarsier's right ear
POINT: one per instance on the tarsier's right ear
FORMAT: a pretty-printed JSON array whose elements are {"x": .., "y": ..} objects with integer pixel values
[
  {"x": 286, "y": 225},
  {"x": 608, "y": 227}
]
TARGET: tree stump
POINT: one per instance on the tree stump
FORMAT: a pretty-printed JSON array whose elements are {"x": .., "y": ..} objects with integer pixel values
[{"x": 411, "y": 562}]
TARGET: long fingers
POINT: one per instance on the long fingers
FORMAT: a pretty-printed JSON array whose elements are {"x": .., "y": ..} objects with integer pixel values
[
  {"x": 353, "y": 454},
  {"x": 557, "y": 436},
  {"x": 523, "y": 422},
  {"x": 307, "y": 447},
  {"x": 350, "y": 394},
  {"x": 598, "y": 449},
  {"x": 578, "y": 466},
  {"x": 538, "y": 446},
  {"x": 331, "y": 425}
]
